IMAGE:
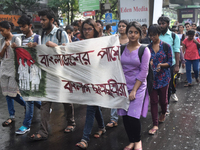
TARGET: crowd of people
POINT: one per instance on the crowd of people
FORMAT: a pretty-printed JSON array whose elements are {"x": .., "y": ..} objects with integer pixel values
[{"x": 168, "y": 49}]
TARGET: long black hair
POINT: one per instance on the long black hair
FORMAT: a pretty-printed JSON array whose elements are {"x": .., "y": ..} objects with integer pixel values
[
  {"x": 92, "y": 23},
  {"x": 136, "y": 25},
  {"x": 123, "y": 21},
  {"x": 155, "y": 29}
]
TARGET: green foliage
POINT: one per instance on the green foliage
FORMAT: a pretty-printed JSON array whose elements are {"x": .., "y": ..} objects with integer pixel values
[
  {"x": 22, "y": 5},
  {"x": 70, "y": 7}
]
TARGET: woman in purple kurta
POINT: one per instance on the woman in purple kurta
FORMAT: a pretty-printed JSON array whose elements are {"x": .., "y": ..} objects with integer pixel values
[{"x": 135, "y": 73}]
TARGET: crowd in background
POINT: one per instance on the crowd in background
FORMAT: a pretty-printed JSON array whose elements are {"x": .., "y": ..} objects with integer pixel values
[{"x": 166, "y": 50}]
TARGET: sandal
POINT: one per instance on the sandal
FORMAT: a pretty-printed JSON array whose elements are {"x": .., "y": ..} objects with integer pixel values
[
  {"x": 153, "y": 131},
  {"x": 138, "y": 149},
  {"x": 69, "y": 129},
  {"x": 81, "y": 145},
  {"x": 188, "y": 85},
  {"x": 162, "y": 118},
  {"x": 127, "y": 148},
  {"x": 7, "y": 122},
  {"x": 112, "y": 124},
  {"x": 99, "y": 133},
  {"x": 34, "y": 137}
]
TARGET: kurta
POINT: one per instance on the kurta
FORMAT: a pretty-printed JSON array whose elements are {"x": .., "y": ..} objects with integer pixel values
[
  {"x": 8, "y": 83},
  {"x": 135, "y": 70}
]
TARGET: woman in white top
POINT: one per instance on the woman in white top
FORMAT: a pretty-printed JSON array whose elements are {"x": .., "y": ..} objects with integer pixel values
[{"x": 9, "y": 85}]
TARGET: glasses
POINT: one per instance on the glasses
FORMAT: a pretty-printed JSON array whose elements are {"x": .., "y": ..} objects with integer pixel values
[
  {"x": 122, "y": 26},
  {"x": 89, "y": 29}
]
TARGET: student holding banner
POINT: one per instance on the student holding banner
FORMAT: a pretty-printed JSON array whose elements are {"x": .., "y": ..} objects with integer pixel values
[
  {"x": 90, "y": 30},
  {"x": 9, "y": 85},
  {"x": 135, "y": 71},
  {"x": 49, "y": 38},
  {"x": 29, "y": 38},
  {"x": 123, "y": 39}
]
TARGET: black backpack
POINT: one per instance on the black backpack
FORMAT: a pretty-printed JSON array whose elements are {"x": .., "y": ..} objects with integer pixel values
[
  {"x": 173, "y": 37},
  {"x": 150, "y": 76},
  {"x": 165, "y": 48},
  {"x": 58, "y": 35}
]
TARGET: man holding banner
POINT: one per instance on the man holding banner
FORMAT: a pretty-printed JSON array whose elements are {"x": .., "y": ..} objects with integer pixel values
[{"x": 49, "y": 38}]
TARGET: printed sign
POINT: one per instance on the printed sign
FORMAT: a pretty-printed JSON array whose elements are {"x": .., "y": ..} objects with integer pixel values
[
  {"x": 135, "y": 10},
  {"x": 108, "y": 18},
  {"x": 187, "y": 15},
  {"x": 10, "y": 18},
  {"x": 89, "y": 13},
  {"x": 88, "y": 5},
  {"x": 84, "y": 72}
]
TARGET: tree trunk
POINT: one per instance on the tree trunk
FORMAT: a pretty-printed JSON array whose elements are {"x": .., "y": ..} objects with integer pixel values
[
  {"x": 72, "y": 13},
  {"x": 68, "y": 15}
]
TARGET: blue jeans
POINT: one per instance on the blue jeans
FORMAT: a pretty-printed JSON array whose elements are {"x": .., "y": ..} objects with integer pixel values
[
  {"x": 195, "y": 64},
  {"x": 92, "y": 111},
  {"x": 10, "y": 103},
  {"x": 114, "y": 115},
  {"x": 29, "y": 112}
]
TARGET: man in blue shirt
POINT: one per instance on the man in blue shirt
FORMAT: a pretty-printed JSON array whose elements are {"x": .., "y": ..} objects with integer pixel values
[
  {"x": 173, "y": 40},
  {"x": 49, "y": 39}
]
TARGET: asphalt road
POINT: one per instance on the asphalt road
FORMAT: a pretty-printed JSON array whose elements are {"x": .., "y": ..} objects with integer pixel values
[{"x": 180, "y": 131}]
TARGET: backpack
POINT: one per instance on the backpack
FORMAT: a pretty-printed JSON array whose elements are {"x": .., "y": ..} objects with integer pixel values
[
  {"x": 150, "y": 76},
  {"x": 173, "y": 37},
  {"x": 165, "y": 48},
  {"x": 58, "y": 35}
]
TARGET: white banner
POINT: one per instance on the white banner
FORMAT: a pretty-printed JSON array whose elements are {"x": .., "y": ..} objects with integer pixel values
[
  {"x": 84, "y": 72},
  {"x": 135, "y": 10}
]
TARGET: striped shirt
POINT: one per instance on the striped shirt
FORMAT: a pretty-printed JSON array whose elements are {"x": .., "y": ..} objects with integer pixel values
[
  {"x": 52, "y": 37},
  {"x": 31, "y": 39}
]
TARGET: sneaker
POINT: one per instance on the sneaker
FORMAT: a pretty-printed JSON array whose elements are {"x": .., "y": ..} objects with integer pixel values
[
  {"x": 22, "y": 130},
  {"x": 168, "y": 112},
  {"x": 174, "y": 97}
]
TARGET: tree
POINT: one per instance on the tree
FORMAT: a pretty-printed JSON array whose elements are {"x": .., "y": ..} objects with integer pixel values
[
  {"x": 22, "y": 5},
  {"x": 70, "y": 7}
]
